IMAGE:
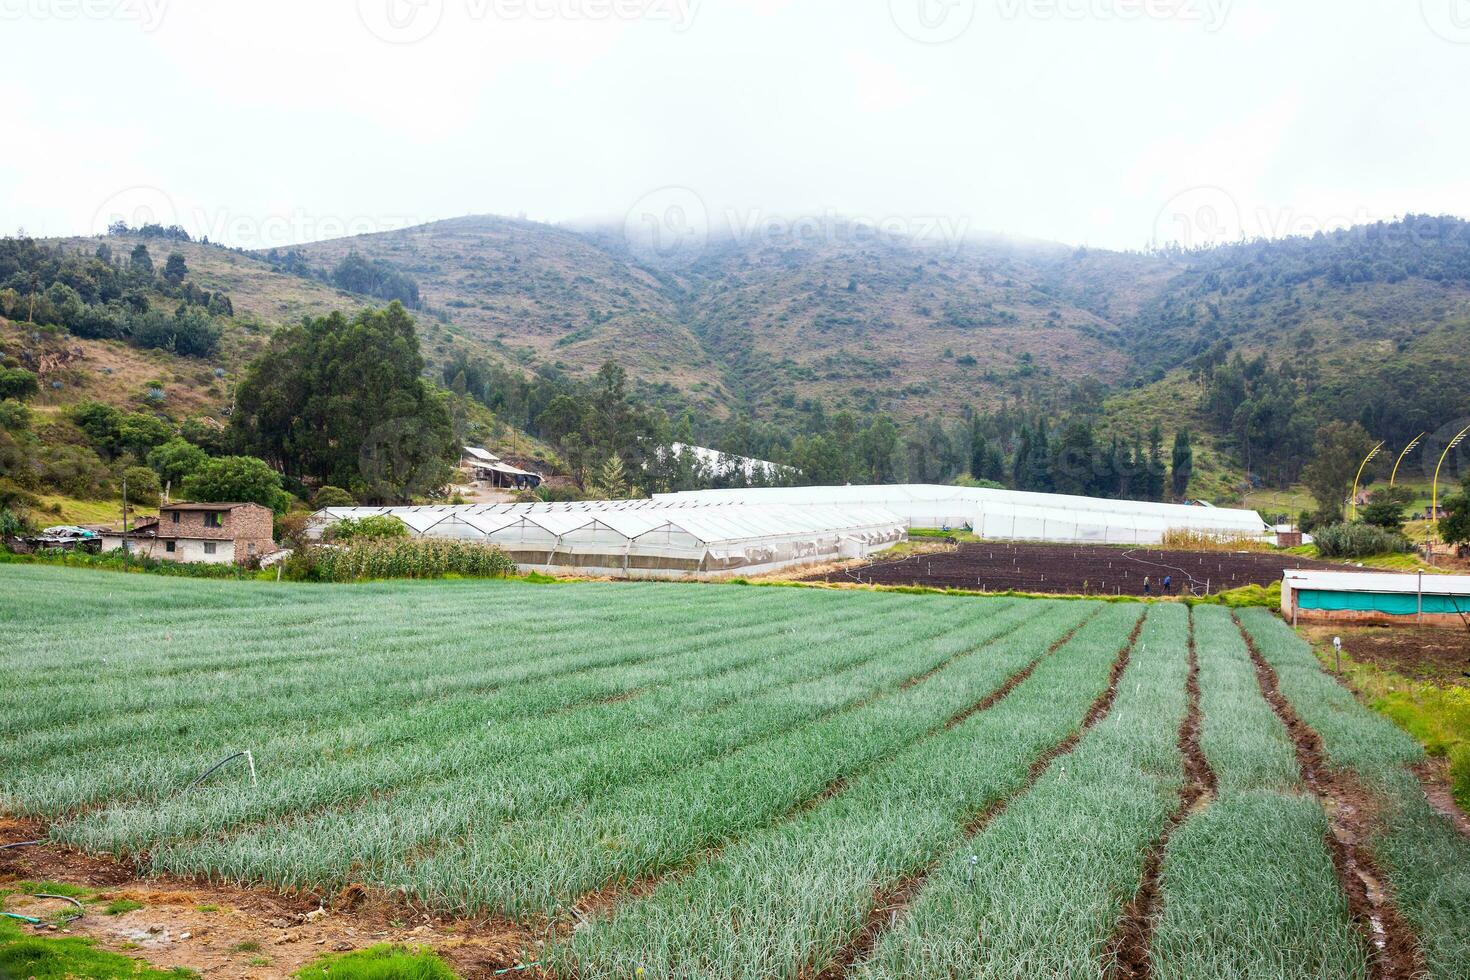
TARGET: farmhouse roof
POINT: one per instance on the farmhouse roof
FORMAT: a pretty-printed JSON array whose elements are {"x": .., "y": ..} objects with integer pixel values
[{"x": 192, "y": 507}]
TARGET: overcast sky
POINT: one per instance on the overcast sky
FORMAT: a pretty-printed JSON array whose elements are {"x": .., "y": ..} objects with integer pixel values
[{"x": 1114, "y": 123}]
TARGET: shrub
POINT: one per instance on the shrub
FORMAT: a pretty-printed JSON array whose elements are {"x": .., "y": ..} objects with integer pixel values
[
  {"x": 330, "y": 496},
  {"x": 1359, "y": 540},
  {"x": 403, "y": 558},
  {"x": 17, "y": 383}
]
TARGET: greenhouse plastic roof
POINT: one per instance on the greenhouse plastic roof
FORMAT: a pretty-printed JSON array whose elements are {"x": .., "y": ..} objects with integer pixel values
[
  {"x": 906, "y": 498},
  {"x": 710, "y": 522}
]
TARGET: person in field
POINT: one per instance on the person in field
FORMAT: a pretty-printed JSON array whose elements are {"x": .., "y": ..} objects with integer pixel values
[
  {"x": 1168, "y": 585},
  {"x": 1147, "y": 588}
]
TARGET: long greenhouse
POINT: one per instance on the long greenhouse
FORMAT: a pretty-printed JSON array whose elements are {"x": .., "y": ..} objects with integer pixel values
[
  {"x": 1007, "y": 515},
  {"x": 649, "y": 538}
]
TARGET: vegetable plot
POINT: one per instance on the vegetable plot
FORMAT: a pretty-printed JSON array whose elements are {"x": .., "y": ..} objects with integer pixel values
[{"x": 721, "y": 782}]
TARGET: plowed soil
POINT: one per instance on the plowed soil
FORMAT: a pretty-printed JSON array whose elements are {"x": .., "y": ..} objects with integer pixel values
[{"x": 1076, "y": 569}]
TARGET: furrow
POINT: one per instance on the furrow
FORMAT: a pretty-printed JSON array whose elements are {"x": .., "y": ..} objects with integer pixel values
[
  {"x": 1129, "y": 954},
  {"x": 893, "y": 903},
  {"x": 1393, "y": 949}
]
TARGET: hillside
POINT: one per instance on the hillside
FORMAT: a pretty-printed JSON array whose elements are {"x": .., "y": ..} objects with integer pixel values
[{"x": 1370, "y": 324}]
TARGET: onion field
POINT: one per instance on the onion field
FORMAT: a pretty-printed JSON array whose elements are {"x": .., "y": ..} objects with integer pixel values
[{"x": 703, "y": 781}]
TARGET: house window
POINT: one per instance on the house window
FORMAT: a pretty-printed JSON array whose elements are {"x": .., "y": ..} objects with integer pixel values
[
  {"x": 168, "y": 546},
  {"x": 209, "y": 547},
  {"x": 214, "y": 518},
  {"x": 175, "y": 516}
]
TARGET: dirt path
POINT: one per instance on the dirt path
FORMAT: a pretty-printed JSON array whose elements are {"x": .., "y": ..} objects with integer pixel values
[
  {"x": 1393, "y": 949},
  {"x": 892, "y": 903},
  {"x": 1129, "y": 955},
  {"x": 232, "y": 933}
]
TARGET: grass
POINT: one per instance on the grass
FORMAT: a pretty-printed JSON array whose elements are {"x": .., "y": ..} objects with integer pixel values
[
  {"x": 56, "y": 509},
  {"x": 384, "y": 962},
  {"x": 43, "y": 957},
  {"x": 121, "y": 906}
]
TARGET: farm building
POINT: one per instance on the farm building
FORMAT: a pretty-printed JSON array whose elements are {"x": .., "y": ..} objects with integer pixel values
[
  {"x": 212, "y": 533},
  {"x": 648, "y": 539},
  {"x": 719, "y": 462},
  {"x": 1368, "y": 597},
  {"x": 487, "y": 468},
  {"x": 1008, "y": 515}
]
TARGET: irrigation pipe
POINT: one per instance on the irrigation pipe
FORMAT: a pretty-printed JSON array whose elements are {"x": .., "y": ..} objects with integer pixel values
[
  {"x": 63, "y": 898},
  {"x": 246, "y": 755},
  {"x": 513, "y": 969},
  {"x": 22, "y": 843}
]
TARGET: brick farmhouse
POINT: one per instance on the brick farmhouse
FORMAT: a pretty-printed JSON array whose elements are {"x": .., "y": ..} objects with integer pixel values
[{"x": 201, "y": 533}]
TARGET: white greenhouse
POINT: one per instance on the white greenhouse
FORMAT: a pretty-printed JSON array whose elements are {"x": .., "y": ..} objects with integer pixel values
[
  {"x": 1007, "y": 515},
  {"x": 650, "y": 539}
]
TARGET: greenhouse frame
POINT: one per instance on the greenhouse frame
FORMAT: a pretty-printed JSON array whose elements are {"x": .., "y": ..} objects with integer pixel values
[
  {"x": 649, "y": 539},
  {"x": 1009, "y": 515}
]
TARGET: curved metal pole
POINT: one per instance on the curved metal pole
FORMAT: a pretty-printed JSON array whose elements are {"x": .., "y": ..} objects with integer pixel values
[
  {"x": 1366, "y": 460},
  {"x": 1407, "y": 449},
  {"x": 1434, "y": 492}
]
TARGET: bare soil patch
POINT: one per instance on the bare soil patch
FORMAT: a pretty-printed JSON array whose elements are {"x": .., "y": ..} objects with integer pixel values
[
  {"x": 227, "y": 932},
  {"x": 1427, "y": 653},
  {"x": 1074, "y": 569}
]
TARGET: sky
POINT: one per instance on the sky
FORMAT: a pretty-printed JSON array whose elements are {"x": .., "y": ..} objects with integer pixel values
[{"x": 1110, "y": 123}]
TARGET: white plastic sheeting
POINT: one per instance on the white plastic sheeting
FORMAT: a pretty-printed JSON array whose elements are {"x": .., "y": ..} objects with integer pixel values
[
  {"x": 1005, "y": 514},
  {"x": 650, "y": 539}
]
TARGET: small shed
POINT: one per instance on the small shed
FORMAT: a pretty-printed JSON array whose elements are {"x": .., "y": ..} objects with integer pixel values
[{"x": 1370, "y": 597}]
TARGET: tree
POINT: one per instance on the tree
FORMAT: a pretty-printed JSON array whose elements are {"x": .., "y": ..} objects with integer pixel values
[
  {"x": 343, "y": 402},
  {"x": 175, "y": 270},
  {"x": 1454, "y": 527},
  {"x": 1329, "y": 476},
  {"x": 237, "y": 480},
  {"x": 140, "y": 261},
  {"x": 143, "y": 486},
  {"x": 612, "y": 479},
  {"x": 1181, "y": 467},
  {"x": 176, "y": 460},
  {"x": 1154, "y": 472}
]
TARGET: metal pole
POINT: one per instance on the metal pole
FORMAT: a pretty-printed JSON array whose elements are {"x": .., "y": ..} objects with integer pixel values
[
  {"x": 1407, "y": 449},
  {"x": 1421, "y": 596},
  {"x": 1366, "y": 460},
  {"x": 1434, "y": 493}
]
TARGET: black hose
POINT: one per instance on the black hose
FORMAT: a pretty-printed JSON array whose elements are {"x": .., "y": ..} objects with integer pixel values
[
  {"x": 214, "y": 769},
  {"x": 63, "y": 898},
  {"x": 21, "y": 843}
]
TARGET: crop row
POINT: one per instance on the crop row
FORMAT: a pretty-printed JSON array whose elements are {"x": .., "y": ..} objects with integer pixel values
[
  {"x": 1426, "y": 860},
  {"x": 476, "y": 697},
  {"x": 491, "y": 779},
  {"x": 791, "y": 895},
  {"x": 1248, "y": 885}
]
